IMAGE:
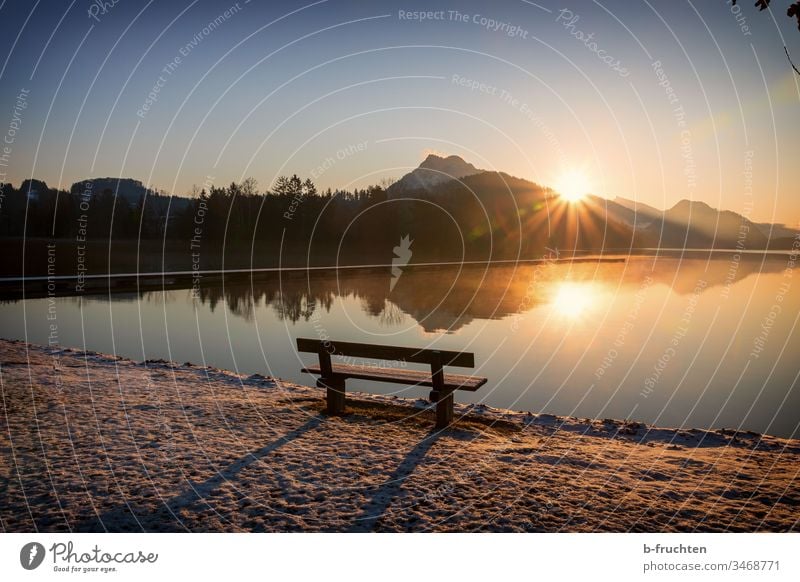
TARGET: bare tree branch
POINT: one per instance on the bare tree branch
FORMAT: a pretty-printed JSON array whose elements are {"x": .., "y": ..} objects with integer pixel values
[{"x": 790, "y": 60}]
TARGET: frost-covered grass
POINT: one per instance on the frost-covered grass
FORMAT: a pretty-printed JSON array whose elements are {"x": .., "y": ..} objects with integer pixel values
[{"x": 103, "y": 443}]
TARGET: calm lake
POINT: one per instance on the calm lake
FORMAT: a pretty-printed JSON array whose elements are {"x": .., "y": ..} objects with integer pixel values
[{"x": 698, "y": 342}]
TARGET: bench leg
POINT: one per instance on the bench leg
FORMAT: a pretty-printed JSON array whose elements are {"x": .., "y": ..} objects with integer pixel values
[
  {"x": 444, "y": 409},
  {"x": 335, "y": 394}
]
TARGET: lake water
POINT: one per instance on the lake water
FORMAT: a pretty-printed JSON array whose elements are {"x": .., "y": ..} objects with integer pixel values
[{"x": 700, "y": 342}]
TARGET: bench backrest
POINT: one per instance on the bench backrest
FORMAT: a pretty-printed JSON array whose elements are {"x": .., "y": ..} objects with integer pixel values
[{"x": 380, "y": 352}]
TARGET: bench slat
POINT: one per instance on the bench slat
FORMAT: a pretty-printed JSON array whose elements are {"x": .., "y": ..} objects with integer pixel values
[
  {"x": 378, "y": 352},
  {"x": 400, "y": 376}
]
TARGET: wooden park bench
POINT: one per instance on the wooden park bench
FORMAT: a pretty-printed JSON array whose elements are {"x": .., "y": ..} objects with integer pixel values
[{"x": 332, "y": 376}]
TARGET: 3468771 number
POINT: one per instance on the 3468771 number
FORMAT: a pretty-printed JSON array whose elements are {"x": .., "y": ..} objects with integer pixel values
[{"x": 755, "y": 565}]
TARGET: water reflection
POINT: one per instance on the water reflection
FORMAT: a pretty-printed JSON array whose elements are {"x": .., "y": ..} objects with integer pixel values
[
  {"x": 445, "y": 299},
  {"x": 664, "y": 341}
]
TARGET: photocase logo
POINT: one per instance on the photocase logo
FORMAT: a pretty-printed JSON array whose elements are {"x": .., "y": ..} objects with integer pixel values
[
  {"x": 402, "y": 254},
  {"x": 101, "y": 7},
  {"x": 31, "y": 555}
]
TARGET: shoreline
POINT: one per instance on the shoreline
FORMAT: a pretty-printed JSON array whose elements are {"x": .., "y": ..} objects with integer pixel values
[
  {"x": 56, "y": 284},
  {"x": 38, "y": 286},
  {"x": 161, "y": 446}
]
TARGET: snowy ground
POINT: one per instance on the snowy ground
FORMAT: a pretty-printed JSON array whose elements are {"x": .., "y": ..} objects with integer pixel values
[{"x": 91, "y": 442}]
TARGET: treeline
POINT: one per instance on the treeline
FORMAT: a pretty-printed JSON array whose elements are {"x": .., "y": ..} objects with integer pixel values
[
  {"x": 238, "y": 212},
  {"x": 235, "y": 226},
  {"x": 34, "y": 210}
]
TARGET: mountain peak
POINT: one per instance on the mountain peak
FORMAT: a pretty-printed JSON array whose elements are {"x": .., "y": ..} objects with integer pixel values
[
  {"x": 453, "y": 165},
  {"x": 687, "y": 204},
  {"x": 435, "y": 170}
]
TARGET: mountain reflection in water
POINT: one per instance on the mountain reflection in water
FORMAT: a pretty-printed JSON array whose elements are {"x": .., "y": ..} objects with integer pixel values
[{"x": 444, "y": 299}]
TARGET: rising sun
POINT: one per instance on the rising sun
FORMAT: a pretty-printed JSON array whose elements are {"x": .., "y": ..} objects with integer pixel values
[{"x": 572, "y": 186}]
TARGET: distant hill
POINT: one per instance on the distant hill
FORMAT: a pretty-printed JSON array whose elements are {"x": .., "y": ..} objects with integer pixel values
[
  {"x": 692, "y": 224},
  {"x": 644, "y": 212},
  {"x": 33, "y": 188},
  {"x": 696, "y": 224},
  {"x": 625, "y": 212},
  {"x": 776, "y": 231},
  {"x": 132, "y": 191}
]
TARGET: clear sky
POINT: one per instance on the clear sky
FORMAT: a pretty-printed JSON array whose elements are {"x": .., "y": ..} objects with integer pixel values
[{"x": 353, "y": 92}]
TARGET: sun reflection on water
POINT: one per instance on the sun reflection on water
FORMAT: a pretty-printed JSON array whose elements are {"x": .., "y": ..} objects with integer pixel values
[{"x": 574, "y": 300}]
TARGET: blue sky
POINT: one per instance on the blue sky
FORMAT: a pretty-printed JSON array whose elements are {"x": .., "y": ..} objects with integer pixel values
[{"x": 288, "y": 87}]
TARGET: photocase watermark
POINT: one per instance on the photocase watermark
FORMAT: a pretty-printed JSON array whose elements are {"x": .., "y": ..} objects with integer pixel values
[
  {"x": 330, "y": 347},
  {"x": 10, "y": 137},
  {"x": 568, "y": 20},
  {"x": 741, "y": 19},
  {"x": 84, "y": 204},
  {"x": 20, "y": 105},
  {"x": 52, "y": 316},
  {"x": 67, "y": 559},
  {"x": 680, "y": 332},
  {"x": 31, "y": 555},
  {"x": 686, "y": 151},
  {"x": 340, "y": 155},
  {"x": 172, "y": 66},
  {"x": 619, "y": 341},
  {"x": 490, "y": 24},
  {"x": 443, "y": 491},
  {"x": 507, "y": 98},
  {"x": 165, "y": 437},
  {"x": 320, "y": 330},
  {"x": 760, "y": 341},
  {"x": 402, "y": 255},
  {"x": 475, "y": 85},
  {"x": 543, "y": 510},
  {"x": 550, "y": 257},
  {"x": 100, "y": 8},
  {"x": 744, "y": 227},
  {"x": 297, "y": 200},
  {"x": 367, "y": 365},
  {"x": 197, "y": 237}
]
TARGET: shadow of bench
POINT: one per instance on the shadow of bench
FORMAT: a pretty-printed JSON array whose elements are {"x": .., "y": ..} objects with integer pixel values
[{"x": 332, "y": 376}]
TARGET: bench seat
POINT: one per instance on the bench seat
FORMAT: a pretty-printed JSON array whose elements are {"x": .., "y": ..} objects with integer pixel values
[
  {"x": 333, "y": 376},
  {"x": 401, "y": 376}
]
